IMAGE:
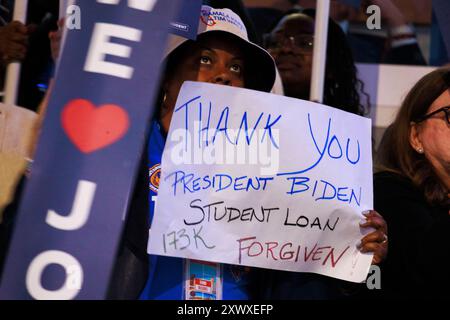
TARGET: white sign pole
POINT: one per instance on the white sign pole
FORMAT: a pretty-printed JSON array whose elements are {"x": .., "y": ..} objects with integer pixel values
[
  {"x": 13, "y": 70},
  {"x": 320, "y": 51}
]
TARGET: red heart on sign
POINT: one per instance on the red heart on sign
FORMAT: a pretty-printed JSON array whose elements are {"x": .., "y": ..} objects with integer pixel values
[{"x": 90, "y": 128}]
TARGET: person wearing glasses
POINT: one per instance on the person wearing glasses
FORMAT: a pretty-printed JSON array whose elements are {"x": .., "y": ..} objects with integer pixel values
[
  {"x": 291, "y": 44},
  {"x": 411, "y": 189}
]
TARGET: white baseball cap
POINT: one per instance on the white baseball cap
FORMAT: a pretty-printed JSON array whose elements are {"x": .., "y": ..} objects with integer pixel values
[{"x": 263, "y": 72}]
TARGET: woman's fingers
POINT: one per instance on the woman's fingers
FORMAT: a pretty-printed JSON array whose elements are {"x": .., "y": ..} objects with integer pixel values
[
  {"x": 19, "y": 38},
  {"x": 376, "y": 236},
  {"x": 378, "y": 258},
  {"x": 379, "y": 251},
  {"x": 15, "y": 52},
  {"x": 374, "y": 220},
  {"x": 369, "y": 247},
  {"x": 376, "y": 241},
  {"x": 18, "y": 27}
]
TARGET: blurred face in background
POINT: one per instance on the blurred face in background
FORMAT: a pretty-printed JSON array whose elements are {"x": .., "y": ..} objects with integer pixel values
[{"x": 291, "y": 45}]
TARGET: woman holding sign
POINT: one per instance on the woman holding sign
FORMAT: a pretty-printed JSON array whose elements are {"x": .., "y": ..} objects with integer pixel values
[
  {"x": 220, "y": 55},
  {"x": 412, "y": 190}
]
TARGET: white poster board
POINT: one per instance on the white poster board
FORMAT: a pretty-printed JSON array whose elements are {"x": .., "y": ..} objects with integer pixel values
[{"x": 275, "y": 182}]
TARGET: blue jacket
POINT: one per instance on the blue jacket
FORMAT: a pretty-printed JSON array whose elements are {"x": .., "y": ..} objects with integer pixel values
[{"x": 165, "y": 274}]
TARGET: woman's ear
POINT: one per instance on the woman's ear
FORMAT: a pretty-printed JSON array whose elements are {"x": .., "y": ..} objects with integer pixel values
[{"x": 414, "y": 137}]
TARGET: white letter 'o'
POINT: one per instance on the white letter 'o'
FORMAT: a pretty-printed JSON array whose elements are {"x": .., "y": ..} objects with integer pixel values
[{"x": 37, "y": 266}]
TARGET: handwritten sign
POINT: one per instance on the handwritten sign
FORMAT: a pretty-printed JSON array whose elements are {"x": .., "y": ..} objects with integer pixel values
[
  {"x": 256, "y": 179},
  {"x": 440, "y": 10},
  {"x": 69, "y": 224}
]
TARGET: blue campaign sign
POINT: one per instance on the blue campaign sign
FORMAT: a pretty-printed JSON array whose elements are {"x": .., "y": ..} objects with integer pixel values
[
  {"x": 186, "y": 22},
  {"x": 71, "y": 216}
]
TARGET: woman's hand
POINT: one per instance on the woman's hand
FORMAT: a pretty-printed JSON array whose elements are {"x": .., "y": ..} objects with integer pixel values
[{"x": 376, "y": 241}]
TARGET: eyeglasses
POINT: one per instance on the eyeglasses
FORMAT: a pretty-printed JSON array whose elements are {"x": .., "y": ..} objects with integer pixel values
[
  {"x": 446, "y": 110},
  {"x": 304, "y": 42}
]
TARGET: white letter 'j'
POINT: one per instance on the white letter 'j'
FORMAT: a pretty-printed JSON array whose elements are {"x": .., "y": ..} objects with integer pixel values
[{"x": 80, "y": 210}]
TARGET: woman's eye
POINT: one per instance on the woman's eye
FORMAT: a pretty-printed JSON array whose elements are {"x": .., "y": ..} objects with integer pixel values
[
  {"x": 236, "y": 68},
  {"x": 205, "y": 60}
]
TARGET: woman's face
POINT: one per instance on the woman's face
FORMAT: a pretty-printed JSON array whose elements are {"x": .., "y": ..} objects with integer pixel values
[
  {"x": 433, "y": 137},
  {"x": 291, "y": 45},
  {"x": 214, "y": 59}
]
